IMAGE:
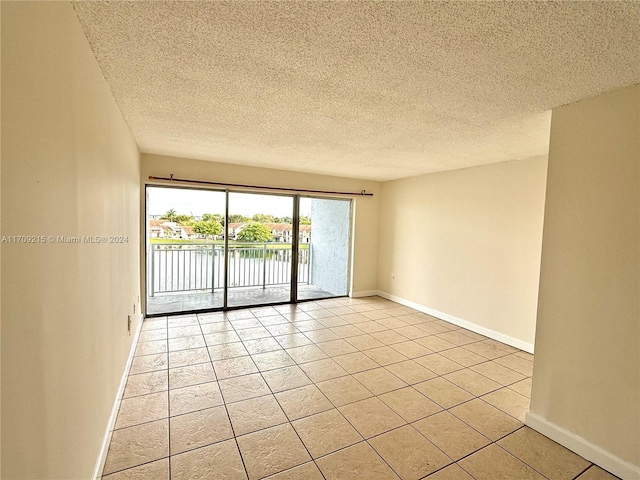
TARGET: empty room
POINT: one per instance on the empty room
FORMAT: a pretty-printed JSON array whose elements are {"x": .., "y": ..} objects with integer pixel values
[{"x": 320, "y": 240}]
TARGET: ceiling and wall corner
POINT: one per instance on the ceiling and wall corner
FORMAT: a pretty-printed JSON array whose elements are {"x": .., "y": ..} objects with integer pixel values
[{"x": 372, "y": 90}]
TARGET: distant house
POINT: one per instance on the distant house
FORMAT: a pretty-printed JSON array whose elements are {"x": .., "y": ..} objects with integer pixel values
[
  {"x": 164, "y": 229},
  {"x": 283, "y": 232},
  {"x": 155, "y": 229},
  {"x": 188, "y": 233},
  {"x": 167, "y": 229},
  {"x": 305, "y": 233},
  {"x": 234, "y": 229}
]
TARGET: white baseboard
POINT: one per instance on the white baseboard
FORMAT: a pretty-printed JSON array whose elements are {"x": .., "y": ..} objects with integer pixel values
[
  {"x": 584, "y": 448},
  {"x": 364, "y": 293},
  {"x": 487, "y": 332},
  {"x": 102, "y": 456}
]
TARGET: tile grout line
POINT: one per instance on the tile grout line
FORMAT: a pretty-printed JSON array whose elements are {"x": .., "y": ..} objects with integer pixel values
[
  {"x": 337, "y": 408},
  {"x": 412, "y": 385},
  {"x": 332, "y": 357},
  {"x": 224, "y": 403},
  {"x": 286, "y": 416},
  {"x": 168, "y": 403},
  {"x": 518, "y": 458},
  {"x": 387, "y": 345},
  {"x": 411, "y": 424},
  {"x": 384, "y": 366}
]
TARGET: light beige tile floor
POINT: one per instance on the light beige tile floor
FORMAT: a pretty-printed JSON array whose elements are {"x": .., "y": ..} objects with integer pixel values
[{"x": 335, "y": 389}]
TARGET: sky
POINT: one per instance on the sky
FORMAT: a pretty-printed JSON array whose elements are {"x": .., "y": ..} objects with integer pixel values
[{"x": 197, "y": 202}]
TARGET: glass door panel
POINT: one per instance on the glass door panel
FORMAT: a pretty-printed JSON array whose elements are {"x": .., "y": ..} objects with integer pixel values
[
  {"x": 189, "y": 269},
  {"x": 260, "y": 249},
  {"x": 324, "y": 248},
  {"x": 185, "y": 249}
]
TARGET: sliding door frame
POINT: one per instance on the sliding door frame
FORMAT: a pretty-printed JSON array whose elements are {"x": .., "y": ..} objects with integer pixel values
[
  {"x": 225, "y": 292},
  {"x": 295, "y": 245},
  {"x": 350, "y": 247}
]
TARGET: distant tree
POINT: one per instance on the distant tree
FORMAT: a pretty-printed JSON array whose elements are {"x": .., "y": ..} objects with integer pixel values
[
  {"x": 262, "y": 218},
  {"x": 208, "y": 228},
  {"x": 255, "y": 232},
  {"x": 305, "y": 220},
  {"x": 236, "y": 218},
  {"x": 186, "y": 220},
  {"x": 208, "y": 217},
  {"x": 284, "y": 220},
  {"x": 170, "y": 216}
]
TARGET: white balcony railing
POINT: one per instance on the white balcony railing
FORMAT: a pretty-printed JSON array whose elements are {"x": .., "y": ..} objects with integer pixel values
[{"x": 184, "y": 267}]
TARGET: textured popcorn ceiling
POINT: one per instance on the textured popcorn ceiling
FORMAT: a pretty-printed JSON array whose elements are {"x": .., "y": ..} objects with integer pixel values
[{"x": 377, "y": 90}]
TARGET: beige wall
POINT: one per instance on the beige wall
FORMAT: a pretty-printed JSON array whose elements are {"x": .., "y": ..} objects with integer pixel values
[
  {"x": 586, "y": 376},
  {"x": 367, "y": 209},
  {"x": 69, "y": 167},
  {"x": 467, "y": 243}
]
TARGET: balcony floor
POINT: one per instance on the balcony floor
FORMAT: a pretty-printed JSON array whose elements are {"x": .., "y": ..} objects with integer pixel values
[{"x": 245, "y": 296}]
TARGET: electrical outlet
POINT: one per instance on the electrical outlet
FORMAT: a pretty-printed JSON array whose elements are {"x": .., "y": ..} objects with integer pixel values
[
  {"x": 129, "y": 324},
  {"x": 134, "y": 308},
  {"x": 393, "y": 277}
]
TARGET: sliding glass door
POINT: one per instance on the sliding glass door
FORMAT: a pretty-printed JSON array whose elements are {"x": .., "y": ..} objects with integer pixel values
[
  {"x": 208, "y": 249},
  {"x": 260, "y": 249},
  {"x": 185, "y": 249}
]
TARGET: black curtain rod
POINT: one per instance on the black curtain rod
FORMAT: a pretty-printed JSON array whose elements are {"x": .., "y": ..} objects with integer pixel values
[{"x": 361, "y": 193}]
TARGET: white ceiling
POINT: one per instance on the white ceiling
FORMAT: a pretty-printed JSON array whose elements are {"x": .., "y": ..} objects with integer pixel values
[{"x": 376, "y": 90}]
